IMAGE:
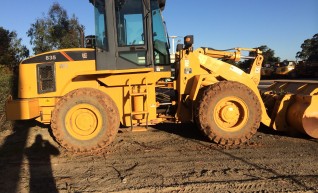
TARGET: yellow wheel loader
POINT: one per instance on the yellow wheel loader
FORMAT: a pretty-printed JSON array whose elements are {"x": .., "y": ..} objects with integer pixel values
[
  {"x": 86, "y": 94},
  {"x": 286, "y": 69}
]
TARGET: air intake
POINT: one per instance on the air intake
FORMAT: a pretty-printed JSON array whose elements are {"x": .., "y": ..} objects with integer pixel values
[{"x": 46, "y": 78}]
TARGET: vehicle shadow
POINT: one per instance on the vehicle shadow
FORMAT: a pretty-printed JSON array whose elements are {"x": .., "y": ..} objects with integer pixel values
[
  {"x": 292, "y": 133},
  {"x": 185, "y": 130},
  {"x": 190, "y": 131}
]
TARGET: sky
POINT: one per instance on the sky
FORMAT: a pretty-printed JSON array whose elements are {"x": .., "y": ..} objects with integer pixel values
[{"x": 281, "y": 25}]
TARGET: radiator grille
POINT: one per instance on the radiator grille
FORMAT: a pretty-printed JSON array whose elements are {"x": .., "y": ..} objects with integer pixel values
[{"x": 46, "y": 78}]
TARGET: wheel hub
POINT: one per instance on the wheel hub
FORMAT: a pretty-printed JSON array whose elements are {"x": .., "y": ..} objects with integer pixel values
[
  {"x": 83, "y": 121},
  {"x": 230, "y": 114}
]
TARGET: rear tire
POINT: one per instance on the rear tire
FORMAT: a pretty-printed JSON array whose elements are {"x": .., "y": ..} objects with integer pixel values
[
  {"x": 85, "y": 121},
  {"x": 228, "y": 113}
]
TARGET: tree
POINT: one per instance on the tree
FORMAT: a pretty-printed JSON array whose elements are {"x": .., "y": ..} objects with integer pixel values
[
  {"x": 20, "y": 51},
  {"x": 12, "y": 52},
  {"x": 309, "y": 50},
  {"x": 269, "y": 57},
  {"x": 55, "y": 31}
]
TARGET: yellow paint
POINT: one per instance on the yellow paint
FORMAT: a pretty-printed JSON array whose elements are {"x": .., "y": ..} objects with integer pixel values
[
  {"x": 83, "y": 122},
  {"x": 22, "y": 109},
  {"x": 206, "y": 70},
  {"x": 231, "y": 114},
  {"x": 195, "y": 69},
  {"x": 138, "y": 106}
]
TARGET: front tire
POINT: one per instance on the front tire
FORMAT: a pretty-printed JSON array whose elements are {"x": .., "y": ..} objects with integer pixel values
[
  {"x": 85, "y": 121},
  {"x": 228, "y": 112}
]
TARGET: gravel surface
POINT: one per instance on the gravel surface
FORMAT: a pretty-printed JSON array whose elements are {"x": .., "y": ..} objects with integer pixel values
[{"x": 167, "y": 158}]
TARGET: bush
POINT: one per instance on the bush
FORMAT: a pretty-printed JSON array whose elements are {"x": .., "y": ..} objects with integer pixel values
[{"x": 6, "y": 88}]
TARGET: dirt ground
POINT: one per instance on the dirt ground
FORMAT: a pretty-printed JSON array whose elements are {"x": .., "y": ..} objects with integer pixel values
[{"x": 167, "y": 158}]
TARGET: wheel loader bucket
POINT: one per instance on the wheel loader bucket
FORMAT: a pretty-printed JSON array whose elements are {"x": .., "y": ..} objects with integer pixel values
[
  {"x": 303, "y": 115},
  {"x": 293, "y": 106}
]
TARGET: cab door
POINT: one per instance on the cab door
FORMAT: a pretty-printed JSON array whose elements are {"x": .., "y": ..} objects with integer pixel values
[{"x": 131, "y": 34}]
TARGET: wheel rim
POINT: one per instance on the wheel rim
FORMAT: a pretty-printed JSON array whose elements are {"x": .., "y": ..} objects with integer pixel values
[
  {"x": 83, "y": 122},
  {"x": 231, "y": 114}
]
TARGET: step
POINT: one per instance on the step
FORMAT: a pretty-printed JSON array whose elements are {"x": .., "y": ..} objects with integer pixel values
[
  {"x": 138, "y": 93},
  {"x": 138, "y": 129},
  {"x": 139, "y": 112}
]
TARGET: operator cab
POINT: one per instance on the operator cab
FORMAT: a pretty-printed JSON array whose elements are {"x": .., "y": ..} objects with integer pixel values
[{"x": 130, "y": 34}]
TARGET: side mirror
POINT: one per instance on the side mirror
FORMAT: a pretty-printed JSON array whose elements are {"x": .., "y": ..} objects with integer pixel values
[{"x": 179, "y": 47}]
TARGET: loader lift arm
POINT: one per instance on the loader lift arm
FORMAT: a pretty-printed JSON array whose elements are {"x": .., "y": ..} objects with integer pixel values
[{"x": 235, "y": 54}]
